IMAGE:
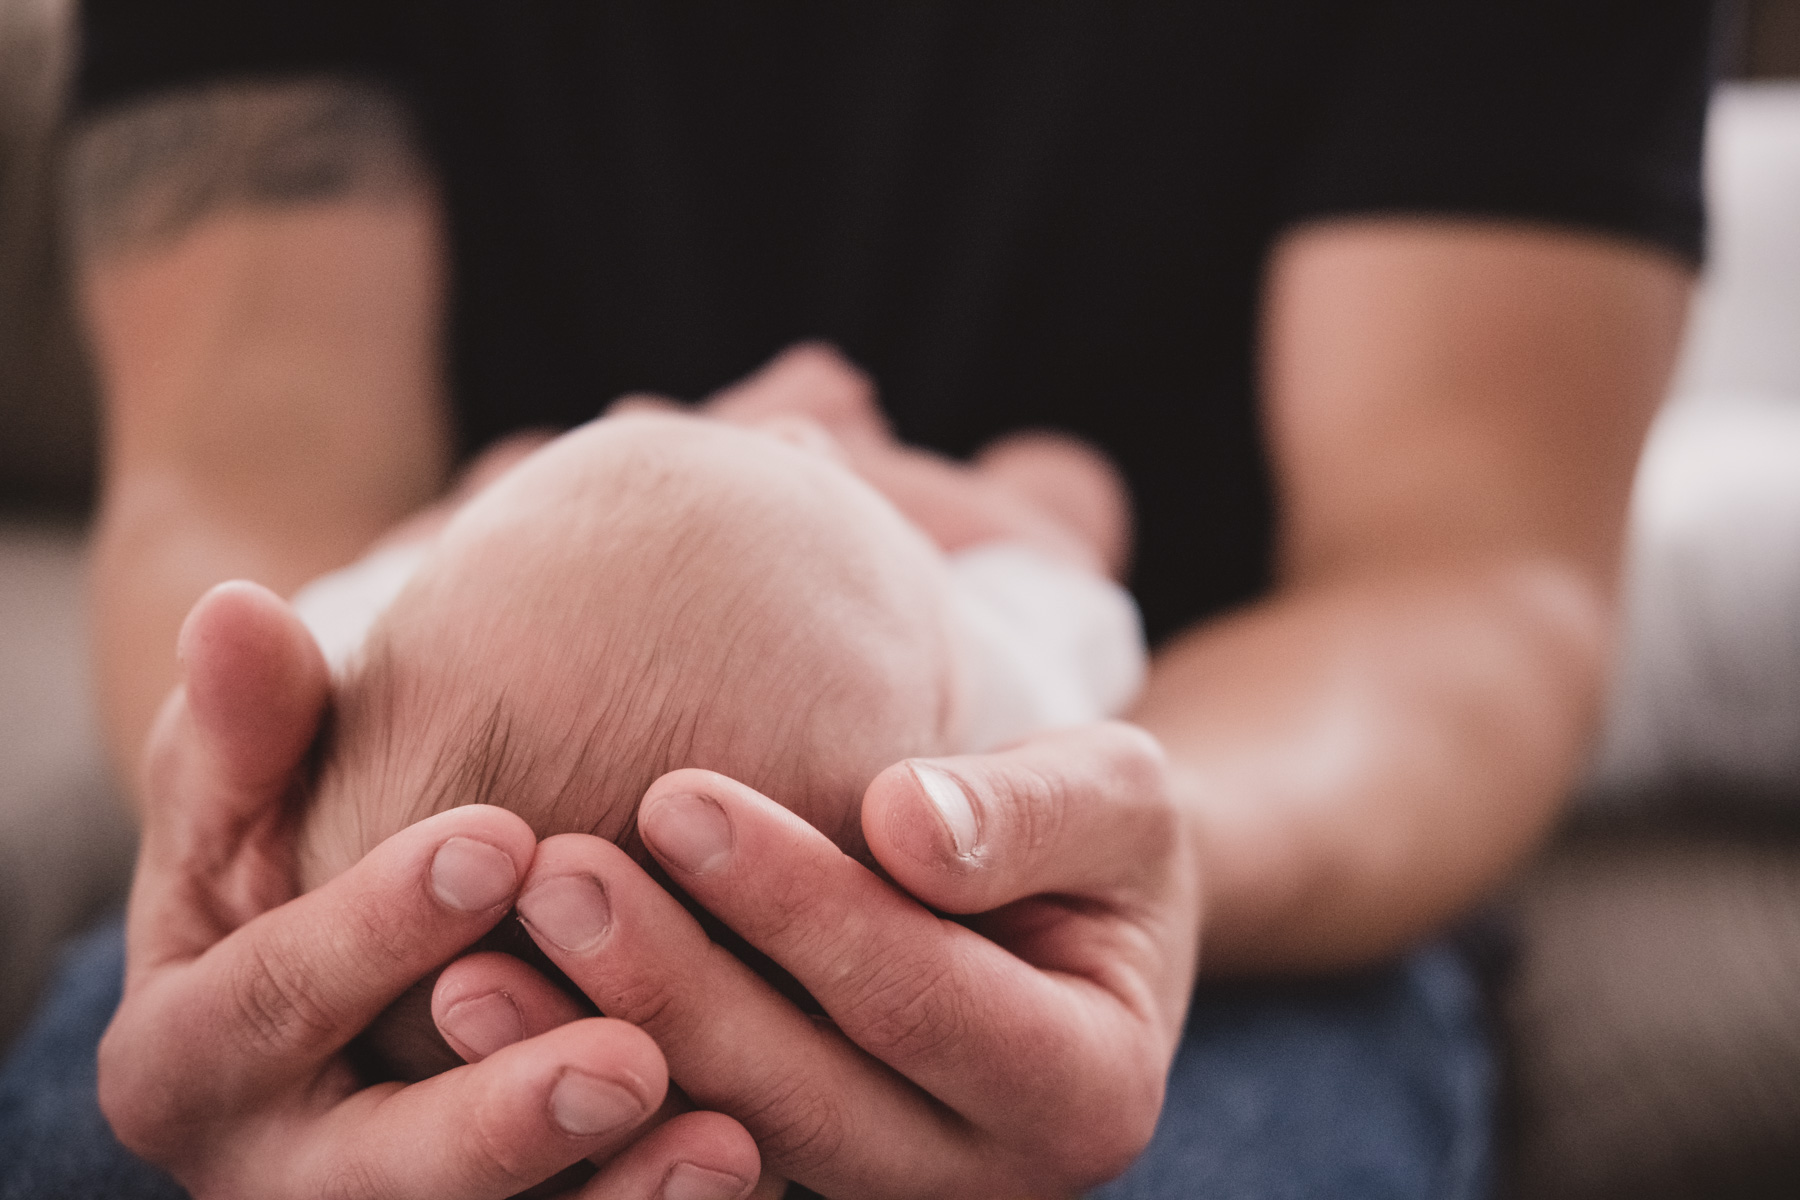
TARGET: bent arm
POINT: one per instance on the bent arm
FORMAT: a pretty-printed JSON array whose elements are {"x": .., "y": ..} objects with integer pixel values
[
  {"x": 1454, "y": 413},
  {"x": 260, "y": 276}
]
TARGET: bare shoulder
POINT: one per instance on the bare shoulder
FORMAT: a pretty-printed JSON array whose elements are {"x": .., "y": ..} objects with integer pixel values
[{"x": 144, "y": 174}]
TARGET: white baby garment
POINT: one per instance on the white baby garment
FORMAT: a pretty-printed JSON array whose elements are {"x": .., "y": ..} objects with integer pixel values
[
  {"x": 340, "y": 608},
  {"x": 1058, "y": 645}
]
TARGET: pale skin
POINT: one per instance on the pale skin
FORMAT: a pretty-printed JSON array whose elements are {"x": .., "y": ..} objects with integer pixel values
[{"x": 1454, "y": 410}]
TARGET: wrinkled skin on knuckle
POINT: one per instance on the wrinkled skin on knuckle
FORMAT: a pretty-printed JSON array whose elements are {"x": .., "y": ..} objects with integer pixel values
[
  {"x": 379, "y": 928},
  {"x": 356, "y": 1178},
  {"x": 789, "y": 908},
  {"x": 798, "y": 1129},
  {"x": 274, "y": 1009},
  {"x": 902, "y": 1013},
  {"x": 1027, "y": 809},
  {"x": 647, "y": 1002}
]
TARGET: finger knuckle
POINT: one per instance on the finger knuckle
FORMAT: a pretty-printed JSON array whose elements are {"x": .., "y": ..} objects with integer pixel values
[
  {"x": 1035, "y": 807},
  {"x": 380, "y": 930},
  {"x": 902, "y": 1013},
  {"x": 650, "y": 1003},
  {"x": 788, "y": 912},
  {"x": 798, "y": 1128},
  {"x": 355, "y": 1178},
  {"x": 276, "y": 1009}
]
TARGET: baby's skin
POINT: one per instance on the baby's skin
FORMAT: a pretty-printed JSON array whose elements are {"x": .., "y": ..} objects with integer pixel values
[
  {"x": 645, "y": 593},
  {"x": 649, "y": 592}
]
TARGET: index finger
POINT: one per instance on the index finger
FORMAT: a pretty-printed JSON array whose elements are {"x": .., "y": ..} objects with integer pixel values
[
  {"x": 999, "y": 1040},
  {"x": 292, "y": 987}
]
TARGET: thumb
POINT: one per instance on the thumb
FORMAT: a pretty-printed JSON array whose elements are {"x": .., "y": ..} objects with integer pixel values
[
  {"x": 255, "y": 685},
  {"x": 1083, "y": 811},
  {"x": 223, "y": 754},
  {"x": 220, "y": 767}
]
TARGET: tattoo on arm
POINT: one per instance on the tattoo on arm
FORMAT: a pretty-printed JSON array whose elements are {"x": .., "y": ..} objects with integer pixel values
[{"x": 146, "y": 174}]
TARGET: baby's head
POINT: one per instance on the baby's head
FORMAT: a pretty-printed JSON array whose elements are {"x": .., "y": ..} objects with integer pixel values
[{"x": 643, "y": 594}]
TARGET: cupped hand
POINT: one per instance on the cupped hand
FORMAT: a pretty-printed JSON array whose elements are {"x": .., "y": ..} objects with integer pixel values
[
  {"x": 1017, "y": 1051},
  {"x": 226, "y": 1063}
]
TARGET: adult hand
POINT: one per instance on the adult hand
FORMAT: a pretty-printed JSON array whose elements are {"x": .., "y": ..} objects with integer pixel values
[
  {"x": 225, "y": 1062},
  {"x": 1020, "y": 1051}
]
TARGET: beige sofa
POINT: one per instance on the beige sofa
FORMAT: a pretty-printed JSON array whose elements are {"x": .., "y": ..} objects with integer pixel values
[{"x": 1652, "y": 1002}]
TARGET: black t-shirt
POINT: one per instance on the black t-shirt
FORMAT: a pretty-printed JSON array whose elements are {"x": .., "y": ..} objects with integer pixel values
[{"x": 1012, "y": 212}]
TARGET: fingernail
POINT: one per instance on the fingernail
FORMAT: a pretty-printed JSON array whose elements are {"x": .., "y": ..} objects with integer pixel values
[
  {"x": 691, "y": 832},
  {"x": 583, "y": 1106},
  {"x": 688, "y": 1182},
  {"x": 484, "y": 1024},
  {"x": 952, "y": 804},
  {"x": 571, "y": 910},
  {"x": 472, "y": 876}
]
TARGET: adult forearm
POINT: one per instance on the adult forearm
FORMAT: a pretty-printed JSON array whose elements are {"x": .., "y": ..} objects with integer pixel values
[
  {"x": 1364, "y": 758},
  {"x": 259, "y": 270}
]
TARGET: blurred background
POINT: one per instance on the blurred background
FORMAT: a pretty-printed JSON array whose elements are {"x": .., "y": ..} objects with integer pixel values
[{"x": 1648, "y": 965}]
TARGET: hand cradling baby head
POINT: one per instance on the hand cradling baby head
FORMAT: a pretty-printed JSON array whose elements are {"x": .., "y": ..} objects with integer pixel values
[{"x": 643, "y": 594}]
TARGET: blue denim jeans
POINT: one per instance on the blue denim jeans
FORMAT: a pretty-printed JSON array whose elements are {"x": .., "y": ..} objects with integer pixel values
[
  {"x": 1378, "y": 1084},
  {"x": 1373, "y": 1085}
]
